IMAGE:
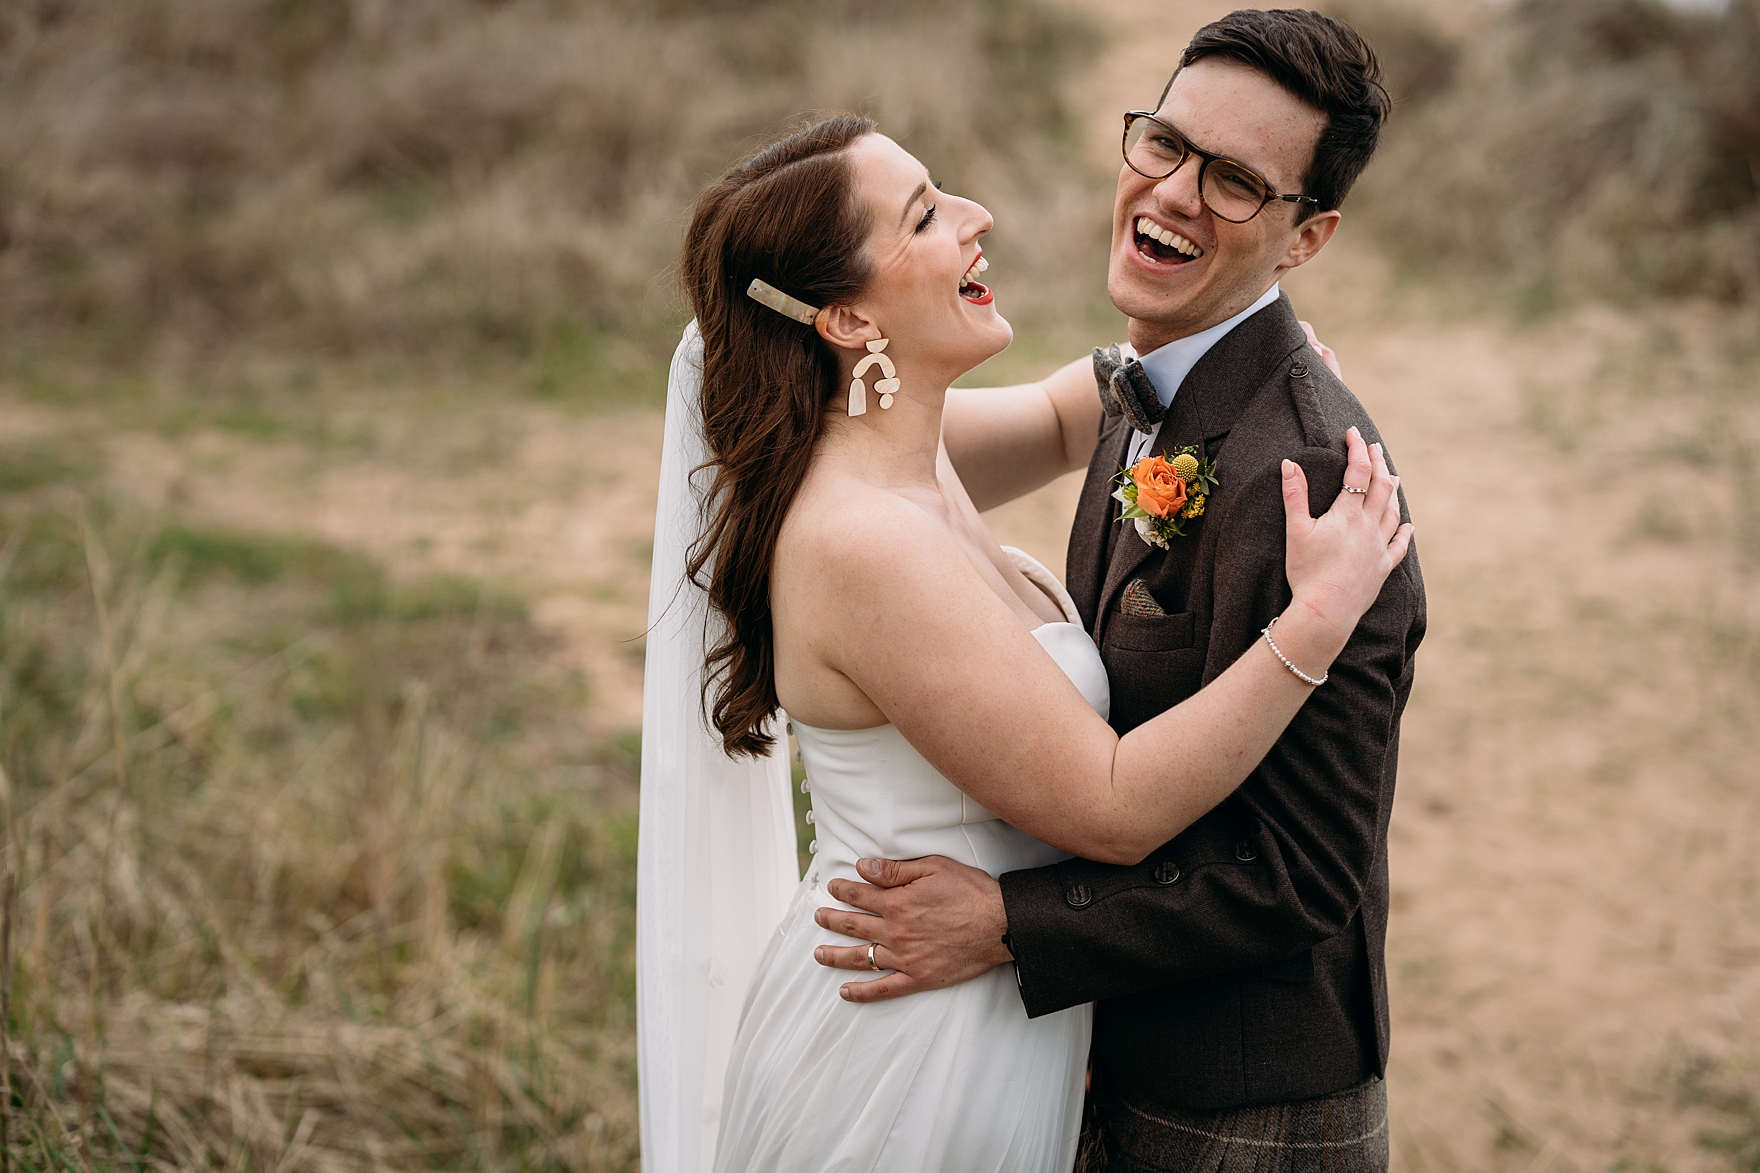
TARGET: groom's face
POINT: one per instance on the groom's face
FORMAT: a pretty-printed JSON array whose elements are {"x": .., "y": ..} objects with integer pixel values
[{"x": 1227, "y": 109}]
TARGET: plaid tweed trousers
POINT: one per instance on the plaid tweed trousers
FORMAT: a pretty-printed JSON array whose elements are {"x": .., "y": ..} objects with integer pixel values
[{"x": 1345, "y": 1132}]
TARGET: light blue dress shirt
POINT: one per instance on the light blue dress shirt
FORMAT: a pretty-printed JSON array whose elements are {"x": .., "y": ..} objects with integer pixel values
[{"x": 1167, "y": 366}]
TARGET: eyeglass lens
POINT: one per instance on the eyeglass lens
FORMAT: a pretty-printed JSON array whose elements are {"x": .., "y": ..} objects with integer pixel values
[{"x": 1230, "y": 190}]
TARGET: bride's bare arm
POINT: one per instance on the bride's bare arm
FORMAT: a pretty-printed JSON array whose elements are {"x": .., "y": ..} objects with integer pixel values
[
  {"x": 928, "y": 642},
  {"x": 1006, "y": 441}
]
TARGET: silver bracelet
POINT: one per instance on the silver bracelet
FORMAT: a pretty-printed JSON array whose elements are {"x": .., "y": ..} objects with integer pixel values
[{"x": 1300, "y": 675}]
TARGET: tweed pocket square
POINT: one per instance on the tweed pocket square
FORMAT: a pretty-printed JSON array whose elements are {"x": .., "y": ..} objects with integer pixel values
[{"x": 1138, "y": 601}]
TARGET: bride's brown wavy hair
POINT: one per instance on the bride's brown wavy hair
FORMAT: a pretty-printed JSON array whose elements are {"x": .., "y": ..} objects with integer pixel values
[{"x": 788, "y": 215}]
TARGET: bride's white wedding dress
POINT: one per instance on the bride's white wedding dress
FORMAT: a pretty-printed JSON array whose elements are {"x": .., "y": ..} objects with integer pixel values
[{"x": 957, "y": 1079}]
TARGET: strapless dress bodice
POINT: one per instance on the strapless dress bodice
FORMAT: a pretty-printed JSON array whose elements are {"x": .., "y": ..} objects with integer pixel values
[{"x": 874, "y": 795}]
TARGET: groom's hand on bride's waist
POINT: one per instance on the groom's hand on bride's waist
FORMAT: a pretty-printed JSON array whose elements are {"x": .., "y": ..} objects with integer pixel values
[{"x": 934, "y": 921}]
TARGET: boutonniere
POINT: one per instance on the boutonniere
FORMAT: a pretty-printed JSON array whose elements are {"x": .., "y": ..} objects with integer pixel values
[{"x": 1160, "y": 494}]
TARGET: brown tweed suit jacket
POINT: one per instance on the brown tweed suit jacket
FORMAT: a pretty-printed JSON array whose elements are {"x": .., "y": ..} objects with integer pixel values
[{"x": 1243, "y": 962}]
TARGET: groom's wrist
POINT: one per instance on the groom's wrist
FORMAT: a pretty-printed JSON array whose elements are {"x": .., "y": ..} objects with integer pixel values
[{"x": 995, "y": 930}]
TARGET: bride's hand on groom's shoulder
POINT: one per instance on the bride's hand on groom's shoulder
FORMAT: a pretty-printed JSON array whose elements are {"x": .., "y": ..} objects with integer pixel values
[
  {"x": 934, "y": 921},
  {"x": 1337, "y": 562}
]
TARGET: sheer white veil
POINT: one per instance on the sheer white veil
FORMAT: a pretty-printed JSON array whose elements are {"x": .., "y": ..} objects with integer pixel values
[{"x": 716, "y": 862}]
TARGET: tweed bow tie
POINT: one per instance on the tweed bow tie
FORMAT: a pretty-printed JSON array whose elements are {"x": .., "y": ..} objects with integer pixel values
[{"x": 1125, "y": 389}]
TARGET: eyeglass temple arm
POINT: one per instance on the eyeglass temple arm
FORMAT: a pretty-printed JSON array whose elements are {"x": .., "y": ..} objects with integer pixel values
[{"x": 1297, "y": 199}]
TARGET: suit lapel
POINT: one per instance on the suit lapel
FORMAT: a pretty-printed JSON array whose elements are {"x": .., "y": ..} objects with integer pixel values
[
  {"x": 1091, "y": 537},
  {"x": 1233, "y": 371}
]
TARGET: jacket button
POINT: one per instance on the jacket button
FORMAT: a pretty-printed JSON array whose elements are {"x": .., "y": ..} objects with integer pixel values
[
  {"x": 1167, "y": 873},
  {"x": 1299, "y": 371},
  {"x": 1243, "y": 851},
  {"x": 1079, "y": 896}
]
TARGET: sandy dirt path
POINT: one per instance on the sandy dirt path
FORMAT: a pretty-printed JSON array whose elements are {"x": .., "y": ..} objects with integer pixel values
[{"x": 558, "y": 506}]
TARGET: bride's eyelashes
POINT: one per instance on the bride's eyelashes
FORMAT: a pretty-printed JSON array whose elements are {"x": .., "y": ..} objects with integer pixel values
[{"x": 929, "y": 216}]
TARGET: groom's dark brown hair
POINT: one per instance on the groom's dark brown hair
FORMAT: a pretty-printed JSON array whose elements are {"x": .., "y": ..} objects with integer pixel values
[{"x": 1326, "y": 64}]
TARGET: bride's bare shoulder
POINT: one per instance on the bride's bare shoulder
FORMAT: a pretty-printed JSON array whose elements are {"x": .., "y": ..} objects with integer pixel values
[{"x": 856, "y": 539}]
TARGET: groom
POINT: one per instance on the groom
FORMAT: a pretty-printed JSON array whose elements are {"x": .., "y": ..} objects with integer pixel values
[{"x": 1239, "y": 970}]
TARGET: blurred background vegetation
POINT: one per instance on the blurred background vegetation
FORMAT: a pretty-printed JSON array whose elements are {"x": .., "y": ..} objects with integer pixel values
[
  {"x": 1577, "y": 148},
  {"x": 455, "y": 179},
  {"x": 322, "y": 818}
]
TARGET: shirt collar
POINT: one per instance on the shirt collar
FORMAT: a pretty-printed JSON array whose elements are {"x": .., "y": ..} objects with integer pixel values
[{"x": 1168, "y": 365}]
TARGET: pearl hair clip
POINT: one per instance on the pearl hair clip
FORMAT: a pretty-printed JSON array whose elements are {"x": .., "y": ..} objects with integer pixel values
[{"x": 765, "y": 293}]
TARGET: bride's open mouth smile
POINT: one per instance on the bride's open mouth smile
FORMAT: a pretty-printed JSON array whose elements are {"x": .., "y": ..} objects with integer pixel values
[
  {"x": 970, "y": 289},
  {"x": 1161, "y": 245}
]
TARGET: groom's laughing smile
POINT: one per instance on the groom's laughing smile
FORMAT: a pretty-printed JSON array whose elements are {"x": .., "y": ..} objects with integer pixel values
[{"x": 1177, "y": 267}]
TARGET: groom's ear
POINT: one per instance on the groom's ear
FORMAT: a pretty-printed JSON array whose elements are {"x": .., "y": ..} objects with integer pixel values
[
  {"x": 841, "y": 325},
  {"x": 1310, "y": 238}
]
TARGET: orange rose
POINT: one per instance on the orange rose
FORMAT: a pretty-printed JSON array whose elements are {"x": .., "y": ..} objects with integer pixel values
[{"x": 1160, "y": 491}]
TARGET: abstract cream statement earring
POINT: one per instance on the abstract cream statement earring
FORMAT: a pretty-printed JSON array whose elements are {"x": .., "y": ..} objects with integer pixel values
[
  {"x": 793, "y": 307},
  {"x": 886, "y": 388}
]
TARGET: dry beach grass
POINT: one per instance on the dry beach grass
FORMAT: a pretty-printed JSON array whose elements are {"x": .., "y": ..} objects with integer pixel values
[
  {"x": 347, "y": 552},
  {"x": 326, "y": 871}
]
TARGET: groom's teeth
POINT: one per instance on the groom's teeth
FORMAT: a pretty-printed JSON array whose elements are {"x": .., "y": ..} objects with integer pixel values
[{"x": 1168, "y": 237}]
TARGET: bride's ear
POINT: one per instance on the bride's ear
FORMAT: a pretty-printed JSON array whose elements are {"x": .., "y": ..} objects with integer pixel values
[{"x": 845, "y": 327}]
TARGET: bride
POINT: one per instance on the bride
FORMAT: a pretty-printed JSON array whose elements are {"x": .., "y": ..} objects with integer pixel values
[{"x": 817, "y": 553}]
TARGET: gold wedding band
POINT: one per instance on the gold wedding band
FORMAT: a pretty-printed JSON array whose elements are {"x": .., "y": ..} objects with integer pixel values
[{"x": 872, "y": 964}]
